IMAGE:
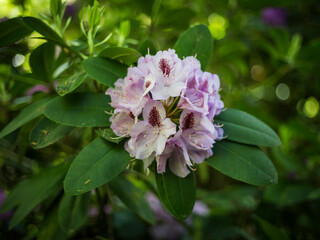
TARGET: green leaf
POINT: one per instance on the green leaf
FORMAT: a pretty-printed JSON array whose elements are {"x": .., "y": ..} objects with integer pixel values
[
  {"x": 68, "y": 84},
  {"x": 98, "y": 163},
  {"x": 245, "y": 128},
  {"x": 147, "y": 46},
  {"x": 127, "y": 56},
  {"x": 72, "y": 212},
  {"x": 109, "y": 135},
  {"x": 104, "y": 70},
  {"x": 12, "y": 31},
  {"x": 42, "y": 28},
  {"x": 41, "y": 61},
  {"x": 272, "y": 231},
  {"x": 29, "y": 193},
  {"x": 29, "y": 113},
  {"x": 177, "y": 194},
  {"x": 46, "y": 133},
  {"x": 132, "y": 197},
  {"x": 49, "y": 228},
  {"x": 243, "y": 162},
  {"x": 196, "y": 40},
  {"x": 79, "y": 110}
]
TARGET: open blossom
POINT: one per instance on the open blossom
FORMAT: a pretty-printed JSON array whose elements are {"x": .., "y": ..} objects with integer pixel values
[{"x": 177, "y": 101}]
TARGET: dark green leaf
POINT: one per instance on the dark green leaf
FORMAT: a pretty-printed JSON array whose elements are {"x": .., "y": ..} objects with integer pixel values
[
  {"x": 68, "y": 84},
  {"x": 104, "y": 70},
  {"x": 98, "y": 163},
  {"x": 31, "y": 192},
  {"x": 177, "y": 194},
  {"x": 123, "y": 55},
  {"x": 49, "y": 228},
  {"x": 272, "y": 231},
  {"x": 41, "y": 61},
  {"x": 245, "y": 128},
  {"x": 108, "y": 134},
  {"x": 31, "y": 112},
  {"x": 42, "y": 28},
  {"x": 132, "y": 197},
  {"x": 12, "y": 31},
  {"x": 72, "y": 212},
  {"x": 79, "y": 110},
  {"x": 243, "y": 162},
  {"x": 147, "y": 46},
  {"x": 196, "y": 40},
  {"x": 47, "y": 132}
]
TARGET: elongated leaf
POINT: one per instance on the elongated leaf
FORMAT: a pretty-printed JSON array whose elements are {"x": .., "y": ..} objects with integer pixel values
[
  {"x": 132, "y": 197},
  {"x": 31, "y": 192},
  {"x": 67, "y": 85},
  {"x": 72, "y": 212},
  {"x": 41, "y": 61},
  {"x": 108, "y": 134},
  {"x": 13, "y": 30},
  {"x": 47, "y": 132},
  {"x": 127, "y": 56},
  {"x": 244, "y": 163},
  {"x": 42, "y": 28},
  {"x": 97, "y": 164},
  {"x": 271, "y": 231},
  {"x": 31, "y": 112},
  {"x": 177, "y": 194},
  {"x": 79, "y": 110},
  {"x": 104, "y": 70},
  {"x": 242, "y": 127},
  {"x": 196, "y": 40}
]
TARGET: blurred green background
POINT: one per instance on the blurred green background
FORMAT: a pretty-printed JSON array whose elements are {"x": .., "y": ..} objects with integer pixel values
[{"x": 267, "y": 55}]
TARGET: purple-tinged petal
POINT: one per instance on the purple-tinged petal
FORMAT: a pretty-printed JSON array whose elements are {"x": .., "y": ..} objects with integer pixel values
[
  {"x": 122, "y": 122},
  {"x": 37, "y": 88}
]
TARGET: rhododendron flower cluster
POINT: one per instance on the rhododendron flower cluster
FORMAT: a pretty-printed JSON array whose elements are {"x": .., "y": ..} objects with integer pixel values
[{"x": 166, "y": 107}]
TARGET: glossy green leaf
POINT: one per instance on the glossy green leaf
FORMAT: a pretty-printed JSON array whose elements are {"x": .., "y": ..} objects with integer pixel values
[
  {"x": 42, "y": 28},
  {"x": 73, "y": 212},
  {"x": 47, "y": 132},
  {"x": 196, "y": 40},
  {"x": 31, "y": 112},
  {"x": 29, "y": 193},
  {"x": 104, "y": 70},
  {"x": 98, "y": 163},
  {"x": 79, "y": 110},
  {"x": 242, "y": 127},
  {"x": 177, "y": 194},
  {"x": 108, "y": 134},
  {"x": 12, "y": 31},
  {"x": 41, "y": 61},
  {"x": 132, "y": 197},
  {"x": 271, "y": 231},
  {"x": 244, "y": 163},
  {"x": 127, "y": 56},
  {"x": 68, "y": 84}
]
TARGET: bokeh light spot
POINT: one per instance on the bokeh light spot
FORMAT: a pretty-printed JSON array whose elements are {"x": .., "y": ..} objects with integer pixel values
[
  {"x": 311, "y": 107},
  {"x": 18, "y": 60},
  {"x": 217, "y": 26},
  {"x": 283, "y": 91},
  {"x": 258, "y": 73}
]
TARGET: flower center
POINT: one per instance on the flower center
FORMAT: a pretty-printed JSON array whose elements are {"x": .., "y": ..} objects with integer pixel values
[
  {"x": 188, "y": 121},
  {"x": 164, "y": 66},
  {"x": 154, "y": 117}
]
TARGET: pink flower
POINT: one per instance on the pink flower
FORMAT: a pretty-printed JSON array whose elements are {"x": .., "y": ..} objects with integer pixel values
[
  {"x": 169, "y": 75},
  {"x": 150, "y": 135},
  {"x": 37, "y": 88},
  {"x": 122, "y": 122}
]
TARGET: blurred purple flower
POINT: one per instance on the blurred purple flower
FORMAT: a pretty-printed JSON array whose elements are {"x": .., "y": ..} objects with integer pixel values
[
  {"x": 93, "y": 212},
  {"x": 3, "y": 19},
  {"x": 274, "y": 16},
  {"x": 38, "y": 88},
  {"x": 71, "y": 11},
  {"x": 5, "y": 215}
]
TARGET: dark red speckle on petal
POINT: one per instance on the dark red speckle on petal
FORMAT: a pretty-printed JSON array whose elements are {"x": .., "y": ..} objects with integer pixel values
[
  {"x": 154, "y": 117},
  {"x": 188, "y": 121},
  {"x": 164, "y": 66}
]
